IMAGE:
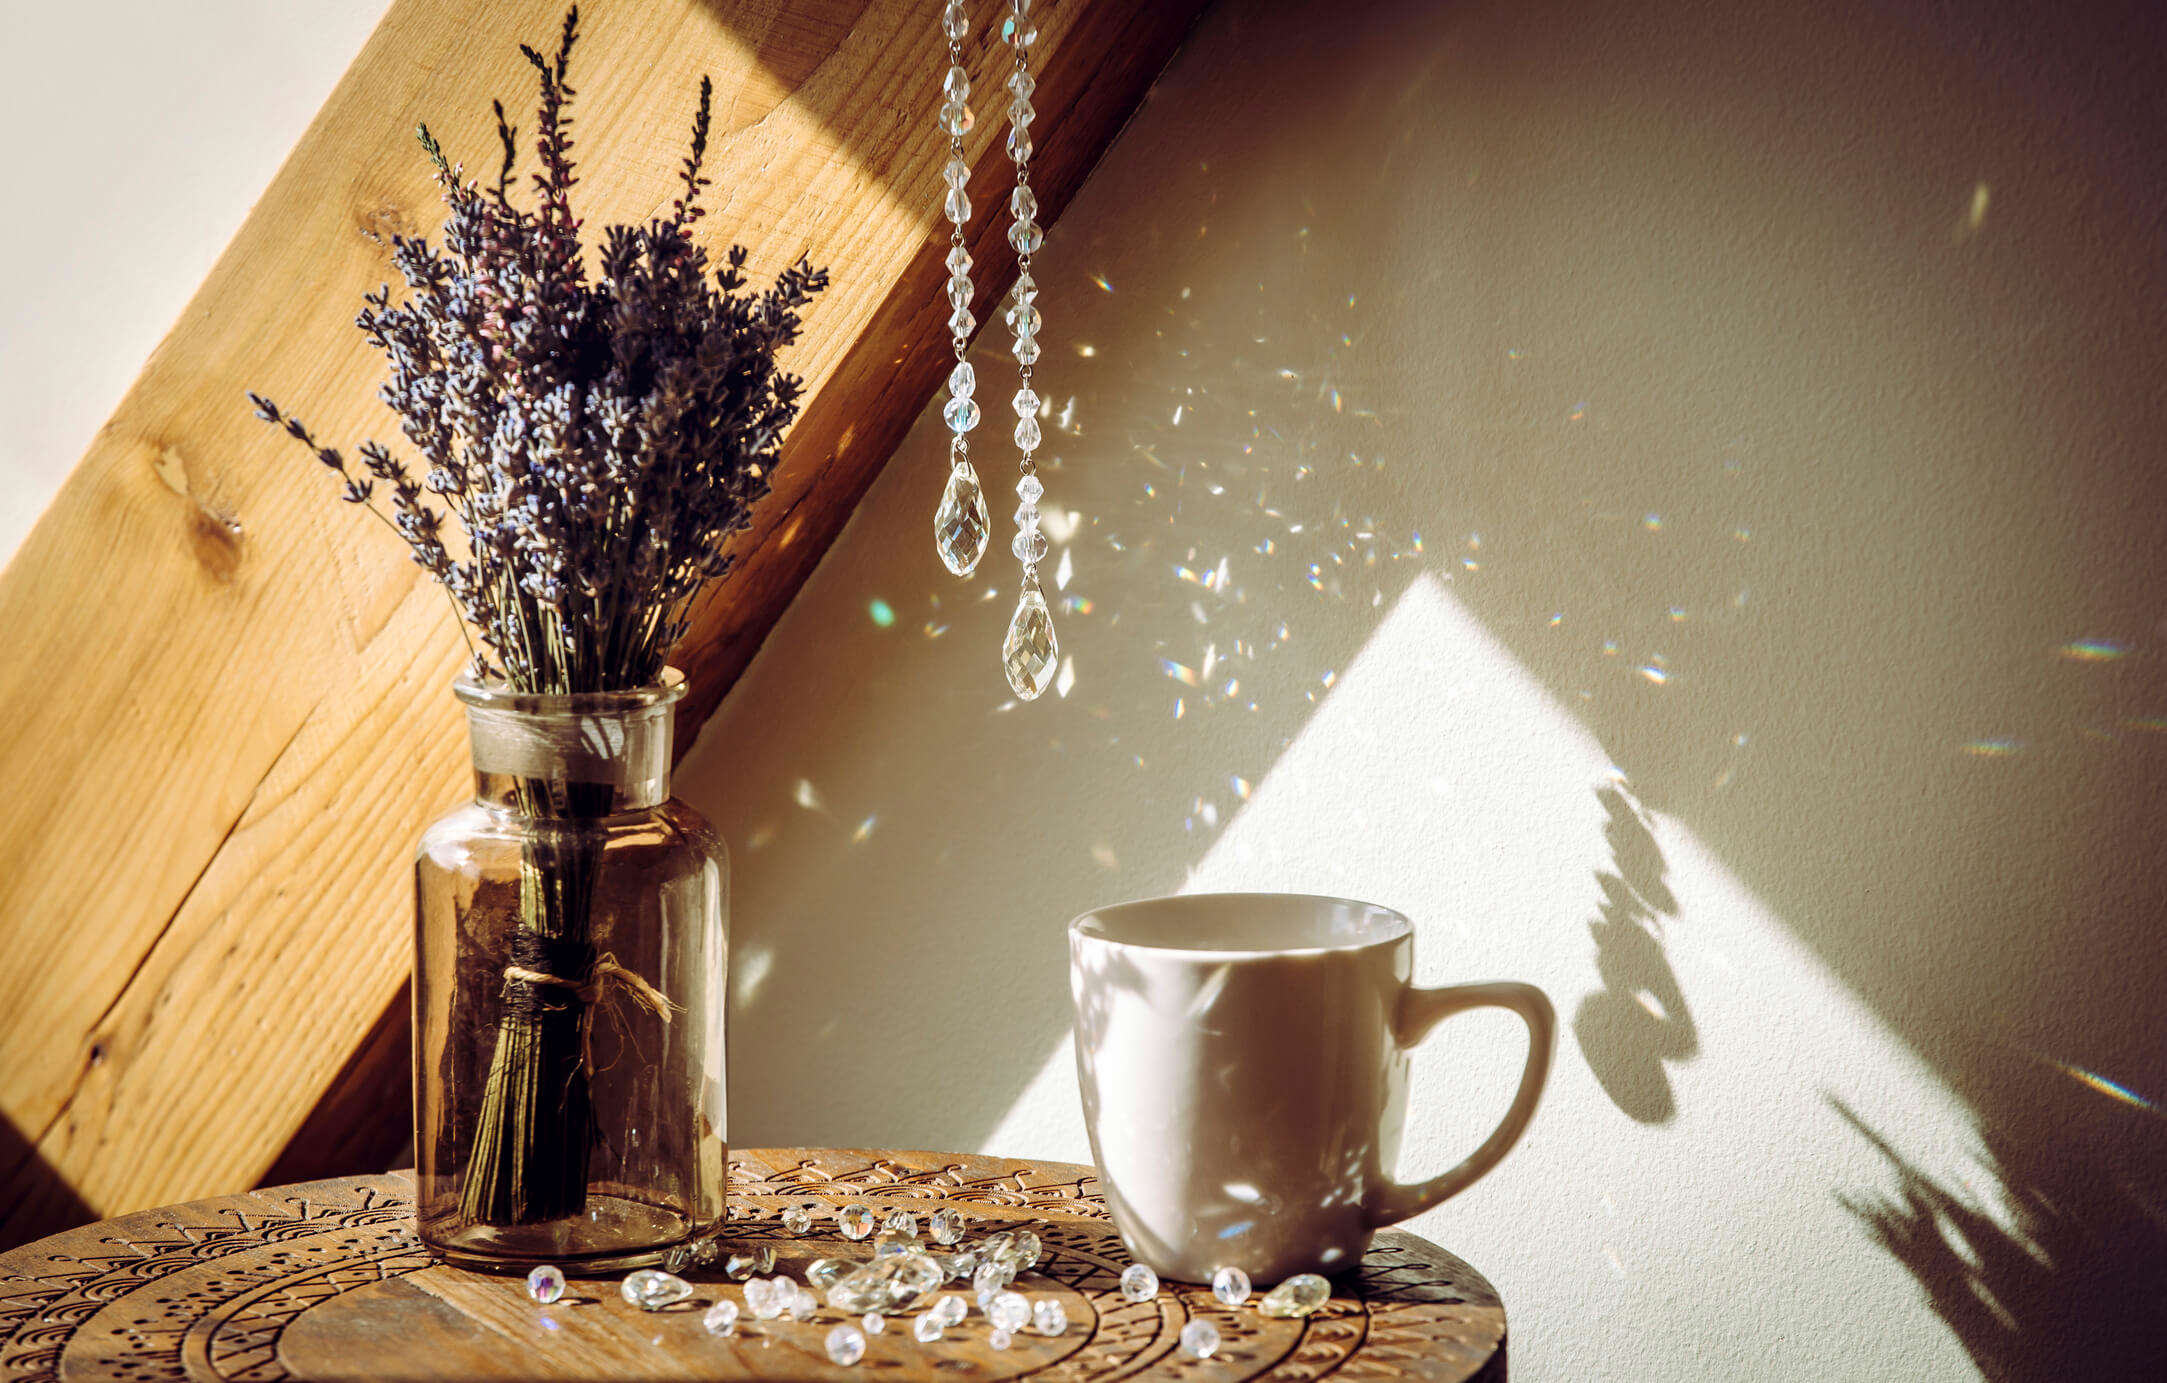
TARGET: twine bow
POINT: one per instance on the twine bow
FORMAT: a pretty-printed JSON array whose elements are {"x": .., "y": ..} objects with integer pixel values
[{"x": 605, "y": 978}]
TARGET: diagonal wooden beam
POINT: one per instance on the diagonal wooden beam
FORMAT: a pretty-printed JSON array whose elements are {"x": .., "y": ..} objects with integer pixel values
[{"x": 224, "y": 718}]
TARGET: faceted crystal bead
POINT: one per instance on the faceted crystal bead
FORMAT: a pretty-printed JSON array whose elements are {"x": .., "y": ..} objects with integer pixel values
[
  {"x": 959, "y": 260},
  {"x": 1026, "y": 401},
  {"x": 951, "y": 1309},
  {"x": 1027, "y": 434},
  {"x": 1022, "y": 83},
  {"x": 681, "y": 1257},
  {"x": 957, "y": 205},
  {"x": 1200, "y": 1339},
  {"x": 721, "y": 1318},
  {"x": 1231, "y": 1286},
  {"x": 1025, "y": 350},
  {"x": 959, "y": 291},
  {"x": 1008, "y": 1311},
  {"x": 957, "y": 84},
  {"x": 1049, "y": 1316},
  {"x": 1026, "y": 515},
  {"x": 954, "y": 22},
  {"x": 994, "y": 1248},
  {"x": 651, "y": 1291},
  {"x": 1023, "y": 36},
  {"x": 1021, "y": 112},
  {"x": 946, "y": 1226},
  {"x": 746, "y": 1262},
  {"x": 1297, "y": 1296},
  {"x": 802, "y": 1302},
  {"x": 866, "y": 1288},
  {"x": 926, "y": 1329},
  {"x": 546, "y": 1284},
  {"x": 957, "y": 119},
  {"x": 962, "y": 382},
  {"x": 917, "y": 1273},
  {"x": 873, "y": 1323},
  {"x": 901, "y": 1222},
  {"x": 956, "y": 173},
  {"x": 1019, "y": 145},
  {"x": 822, "y": 1273},
  {"x": 1026, "y": 237},
  {"x": 1029, "y": 490},
  {"x": 1030, "y": 653},
  {"x": 855, "y": 1220},
  {"x": 1022, "y": 203},
  {"x": 889, "y": 1243},
  {"x": 797, "y": 1219},
  {"x": 1024, "y": 320},
  {"x": 961, "y": 524},
  {"x": 762, "y": 1299},
  {"x": 846, "y": 1345},
  {"x": 1026, "y": 289},
  {"x": 1139, "y": 1283},
  {"x": 991, "y": 1277},
  {"x": 999, "y": 1339},
  {"x": 960, "y": 322}
]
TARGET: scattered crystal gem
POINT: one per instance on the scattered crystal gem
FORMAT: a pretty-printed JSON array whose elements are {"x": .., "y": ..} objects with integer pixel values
[
  {"x": 1030, "y": 654},
  {"x": 959, "y": 260},
  {"x": 823, "y": 1272},
  {"x": 957, "y": 84},
  {"x": 1139, "y": 1283},
  {"x": 962, "y": 382},
  {"x": 866, "y": 1288},
  {"x": 1026, "y": 400},
  {"x": 950, "y": 1310},
  {"x": 1027, "y": 1250},
  {"x": 1297, "y": 1296},
  {"x": 855, "y": 1220},
  {"x": 681, "y": 1257},
  {"x": 872, "y": 1323},
  {"x": 1231, "y": 1286},
  {"x": 546, "y": 1284},
  {"x": 1200, "y": 1339},
  {"x": 650, "y": 1290},
  {"x": 890, "y": 1242},
  {"x": 721, "y": 1318},
  {"x": 739, "y": 1266},
  {"x": 1027, "y": 432},
  {"x": 957, "y": 205},
  {"x": 797, "y": 1219},
  {"x": 901, "y": 1222},
  {"x": 1049, "y": 1316},
  {"x": 760, "y": 1300},
  {"x": 960, "y": 526},
  {"x": 957, "y": 119},
  {"x": 991, "y": 1276},
  {"x": 917, "y": 1273},
  {"x": 927, "y": 1328},
  {"x": 801, "y": 1303},
  {"x": 999, "y": 1339},
  {"x": 846, "y": 1345},
  {"x": 944, "y": 1225},
  {"x": 1008, "y": 1311}
]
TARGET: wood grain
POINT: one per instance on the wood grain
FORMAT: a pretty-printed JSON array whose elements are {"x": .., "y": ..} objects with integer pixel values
[
  {"x": 224, "y": 718},
  {"x": 326, "y": 1282}
]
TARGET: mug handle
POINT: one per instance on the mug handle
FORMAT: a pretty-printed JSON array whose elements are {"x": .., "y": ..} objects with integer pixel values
[{"x": 1423, "y": 1009}]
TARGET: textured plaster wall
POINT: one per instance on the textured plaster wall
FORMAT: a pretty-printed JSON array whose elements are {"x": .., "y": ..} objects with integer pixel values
[
  {"x": 1667, "y": 495},
  {"x": 137, "y": 133}
]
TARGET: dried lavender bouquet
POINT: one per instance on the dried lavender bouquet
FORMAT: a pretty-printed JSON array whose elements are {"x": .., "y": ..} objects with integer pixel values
[{"x": 598, "y": 431}]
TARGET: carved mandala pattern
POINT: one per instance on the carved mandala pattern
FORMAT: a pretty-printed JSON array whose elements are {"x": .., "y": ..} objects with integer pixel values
[{"x": 207, "y": 1291}]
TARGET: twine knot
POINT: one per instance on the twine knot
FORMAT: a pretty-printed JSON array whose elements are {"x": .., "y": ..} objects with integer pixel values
[{"x": 605, "y": 978}]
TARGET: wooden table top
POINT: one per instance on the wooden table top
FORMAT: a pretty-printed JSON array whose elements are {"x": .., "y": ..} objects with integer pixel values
[{"x": 326, "y": 1281}]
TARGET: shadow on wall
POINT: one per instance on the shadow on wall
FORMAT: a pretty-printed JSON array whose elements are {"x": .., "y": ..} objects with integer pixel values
[
  {"x": 2066, "y": 1279},
  {"x": 1638, "y": 1022},
  {"x": 38, "y": 1201}
]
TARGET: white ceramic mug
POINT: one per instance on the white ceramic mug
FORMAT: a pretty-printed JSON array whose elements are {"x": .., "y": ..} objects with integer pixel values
[{"x": 1243, "y": 1058}]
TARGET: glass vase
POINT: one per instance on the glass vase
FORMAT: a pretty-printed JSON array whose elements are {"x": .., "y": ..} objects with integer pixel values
[{"x": 570, "y": 967}]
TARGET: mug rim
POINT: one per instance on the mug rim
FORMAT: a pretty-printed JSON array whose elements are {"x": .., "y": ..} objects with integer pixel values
[{"x": 1404, "y": 929}]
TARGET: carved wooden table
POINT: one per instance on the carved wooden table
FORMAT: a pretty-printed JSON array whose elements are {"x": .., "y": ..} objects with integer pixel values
[{"x": 326, "y": 1281}]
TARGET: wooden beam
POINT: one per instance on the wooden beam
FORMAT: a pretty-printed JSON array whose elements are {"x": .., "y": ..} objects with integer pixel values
[{"x": 224, "y": 718}]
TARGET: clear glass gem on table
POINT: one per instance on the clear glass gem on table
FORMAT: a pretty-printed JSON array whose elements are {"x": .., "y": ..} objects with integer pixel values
[
  {"x": 873, "y": 1323},
  {"x": 1008, "y": 1311},
  {"x": 1299, "y": 1295},
  {"x": 1139, "y": 1283},
  {"x": 901, "y": 1222},
  {"x": 797, "y": 1219},
  {"x": 927, "y": 1328},
  {"x": 721, "y": 1318},
  {"x": 822, "y": 1273},
  {"x": 950, "y": 1310},
  {"x": 846, "y": 1345},
  {"x": 890, "y": 1242},
  {"x": 1200, "y": 1339},
  {"x": 1231, "y": 1286},
  {"x": 546, "y": 1284},
  {"x": 944, "y": 1225},
  {"x": 651, "y": 1290},
  {"x": 855, "y": 1220},
  {"x": 1049, "y": 1316},
  {"x": 999, "y": 1339}
]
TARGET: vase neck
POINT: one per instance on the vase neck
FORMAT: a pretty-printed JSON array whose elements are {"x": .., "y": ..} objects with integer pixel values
[{"x": 581, "y": 755}]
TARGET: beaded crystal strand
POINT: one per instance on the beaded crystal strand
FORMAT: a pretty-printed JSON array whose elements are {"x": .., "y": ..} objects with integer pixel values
[
  {"x": 961, "y": 523},
  {"x": 1030, "y": 652}
]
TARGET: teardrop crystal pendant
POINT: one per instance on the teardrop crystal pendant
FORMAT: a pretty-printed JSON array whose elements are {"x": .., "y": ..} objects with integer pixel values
[
  {"x": 1030, "y": 652},
  {"x": 961, "y": 523}
]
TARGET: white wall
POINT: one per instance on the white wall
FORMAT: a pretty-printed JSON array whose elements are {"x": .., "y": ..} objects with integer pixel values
[
  {"x": 137, "y": 135},
  {"x": 1630, "y": 485}
]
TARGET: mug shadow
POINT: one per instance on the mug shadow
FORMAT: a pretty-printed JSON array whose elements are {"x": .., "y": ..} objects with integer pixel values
[{"x": 1638, "y": 1022}]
